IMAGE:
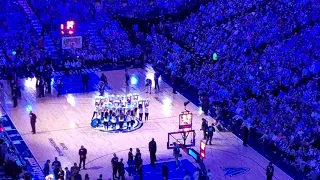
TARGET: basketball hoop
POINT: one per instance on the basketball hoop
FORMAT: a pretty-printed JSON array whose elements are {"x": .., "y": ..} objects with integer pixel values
[{"x": 185, "y": 138}]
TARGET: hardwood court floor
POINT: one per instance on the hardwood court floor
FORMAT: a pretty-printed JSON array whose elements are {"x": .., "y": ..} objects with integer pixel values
[{"x": 67, "y": 120}]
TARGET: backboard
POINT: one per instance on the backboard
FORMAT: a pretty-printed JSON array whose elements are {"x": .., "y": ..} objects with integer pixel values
[
  {"x": 185, "y": 120},
  {"x": 184, "y": 137}
]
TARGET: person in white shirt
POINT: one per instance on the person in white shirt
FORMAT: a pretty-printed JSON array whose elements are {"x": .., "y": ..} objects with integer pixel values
[
  {"x": 209, "y": 174},
  {"x": 146, "y": 112},
  {"x": 187, "y": 177}
]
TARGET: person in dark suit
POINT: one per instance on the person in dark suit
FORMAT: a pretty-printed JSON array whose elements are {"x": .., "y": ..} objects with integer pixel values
[
  {"x": 130, "y": 162},
  {"x": 270, "y": 170},
  {"x": 205, "y": 104},
  {"x": 148, "y": 85},
  {"x": 211, "y": 130},
  {"x": 245, "y": 134},
  {"x": 114, "y": 163},
  {"x": 156, "y": 80},
  {"x": 59, "y": 85},
  {"x": 127, "y": 76},
  {"x": 136, "y": 158},
  {"x": 33, "y": 120},
  {"x": 41, "y": 88},
  {"x": 165, "y": 171},
  {"x": 56, "y": 165},
  {"x": 14, "y": 99},
  {"x": 204, "y": 128},
  {"x": 152, "y": 150},
  {"x": 174, "y": 83},
  {"x": 48, "y": 72},
  {"x": 46, "y": 168},
  {"x": 83, "y": 156},
  {"x": 140, "y": 165},
  {"x": 121, "y": 169}
]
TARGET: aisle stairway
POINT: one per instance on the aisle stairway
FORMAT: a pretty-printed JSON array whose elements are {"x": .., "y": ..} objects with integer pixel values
[
  {"x": 37, "y": 26},
  {"x": 95, "y": 38}
]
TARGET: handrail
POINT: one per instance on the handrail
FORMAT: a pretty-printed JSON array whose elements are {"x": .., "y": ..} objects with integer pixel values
[{"x": 11, "y": 143}]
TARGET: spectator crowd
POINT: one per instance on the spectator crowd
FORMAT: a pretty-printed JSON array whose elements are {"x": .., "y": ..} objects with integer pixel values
[{"x": 266, "y": 75}]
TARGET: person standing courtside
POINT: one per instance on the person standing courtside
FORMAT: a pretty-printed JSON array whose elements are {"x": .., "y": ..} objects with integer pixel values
[
  {"x": 140, "y": 111},
  {"x": 136, "y": 158},
  {"x": 211, "y": 130},
  {"x": 140, "y": 165},
  {"x": 127, "y": 76},
  {"x": 48, "y": 72},
  {"x": 146, "y": 111},
  {"x": 204, "y": 128},
  {"x": 165, "y": 171},
  {"x": 56, "y": 167},
  {"x": 270, "y": 170},
  {"x": 176, "y": 153},
  {"x": 156, "y": 81},
  {"x": 83, "y": 156},
  {"x": 121, "y": 169},
  {"x": 46, "y": 168},
  {"x": 14, "y": 99},
  {"x": 41, "y": 88},
  {"x": 114, "y": 163},
  {"x": 59, "y": 85},
  {"x": 148, "y": 85},
  {"x": 245, "y": 134},
  {"x": 130, "y": 163},
  {"x": 33, "y": 120},
  {"x": 152, "y": 150}
]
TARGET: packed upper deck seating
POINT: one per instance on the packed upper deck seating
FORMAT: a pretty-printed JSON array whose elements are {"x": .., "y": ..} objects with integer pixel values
[
  {"x": 266, "y": 73},
  {"x": 144, "y": 9}
]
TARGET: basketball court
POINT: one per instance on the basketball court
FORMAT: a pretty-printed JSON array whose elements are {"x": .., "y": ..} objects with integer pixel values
[{"x": 63, "y": 125}]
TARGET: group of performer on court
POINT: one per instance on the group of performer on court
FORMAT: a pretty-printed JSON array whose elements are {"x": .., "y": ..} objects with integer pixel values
[{"x": 122, "y": 113}]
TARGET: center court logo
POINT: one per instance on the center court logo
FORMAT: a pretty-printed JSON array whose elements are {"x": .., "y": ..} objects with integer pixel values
[{"x": 234, "y": 171}]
